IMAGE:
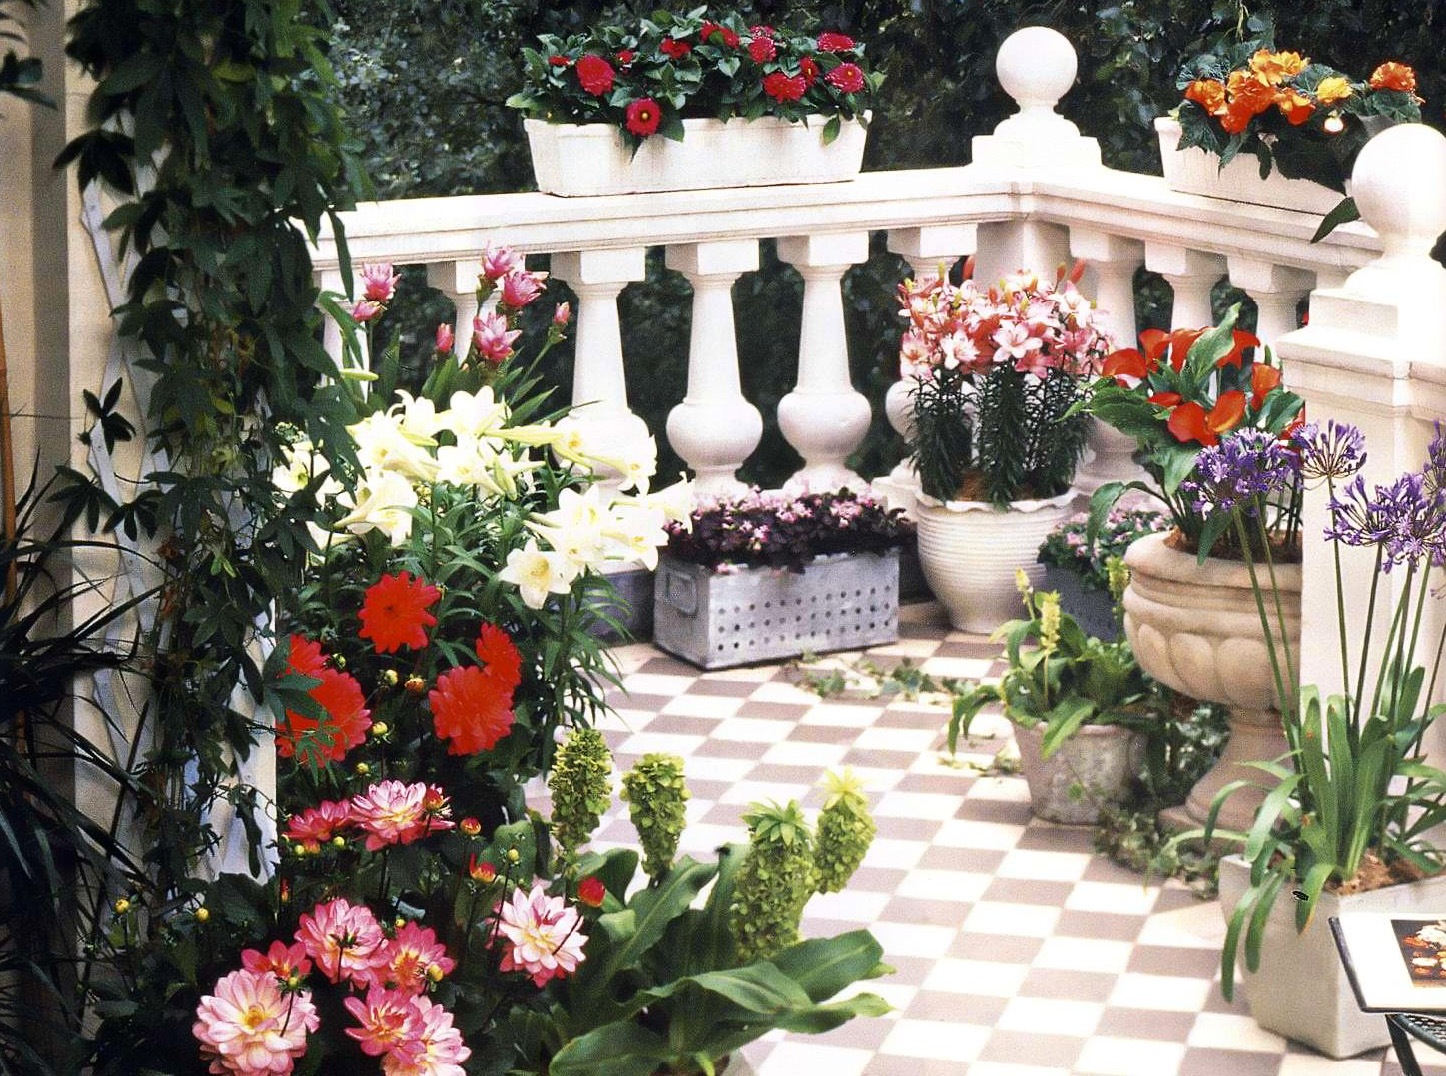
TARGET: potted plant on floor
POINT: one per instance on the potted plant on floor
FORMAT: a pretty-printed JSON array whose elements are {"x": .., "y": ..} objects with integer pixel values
[
  {"x": 997, "y": 435},
  {"x": 771, "y": 575},
  {"x": 1080, "y": 706},
  {"x": 1347, "y": 824},
  {"x": 1303, "y": 121},
  {"x": 1076, "y": 563},
  {"x": 683, "y": 102},
  {"x": 1189, "y": 610}
]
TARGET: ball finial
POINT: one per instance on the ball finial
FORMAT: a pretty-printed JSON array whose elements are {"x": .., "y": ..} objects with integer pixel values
[{"x": 1036, "y": 67}]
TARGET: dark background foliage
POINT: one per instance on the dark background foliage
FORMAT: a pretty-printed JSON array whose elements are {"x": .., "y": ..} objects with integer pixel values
[{"x": 424, "y": 85}]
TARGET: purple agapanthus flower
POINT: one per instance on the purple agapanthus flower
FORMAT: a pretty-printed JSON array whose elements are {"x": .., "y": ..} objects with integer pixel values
[
  {"x": 1336, "y": 451},
  {"x": 1435, "y": 470},
  {"x": 1239, "y": 470},
  {"x": 1406, "y": 519}
]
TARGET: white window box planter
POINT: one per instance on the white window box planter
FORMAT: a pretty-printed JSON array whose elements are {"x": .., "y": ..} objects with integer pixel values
[{"x": 1193, "y": 171}]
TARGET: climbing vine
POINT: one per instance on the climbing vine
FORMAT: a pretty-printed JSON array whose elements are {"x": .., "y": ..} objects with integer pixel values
[{"x": 215, "y": 134}]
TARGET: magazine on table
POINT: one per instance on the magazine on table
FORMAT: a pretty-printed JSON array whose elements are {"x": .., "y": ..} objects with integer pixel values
[{"x": 1396, "y": 961}]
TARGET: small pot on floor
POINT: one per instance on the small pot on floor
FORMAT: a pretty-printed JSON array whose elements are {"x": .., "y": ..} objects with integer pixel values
[{"x": 1090, "y": 771}]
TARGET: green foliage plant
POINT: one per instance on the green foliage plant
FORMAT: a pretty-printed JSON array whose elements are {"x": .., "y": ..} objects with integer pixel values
[
  {"x": 647, "y": 79},
  {"x": 1070, "y": 545},
  {"x": 657, "y": 799},
  {"x": 1354, "y": 800},
  {"x": 666, "y": 981}
]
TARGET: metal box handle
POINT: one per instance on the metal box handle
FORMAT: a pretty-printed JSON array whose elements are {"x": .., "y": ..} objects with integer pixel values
[{"x": 680, "y": 590}]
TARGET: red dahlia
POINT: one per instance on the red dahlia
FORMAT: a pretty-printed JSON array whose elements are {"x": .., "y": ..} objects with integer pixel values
[
  {"x": 345, "y": 726},
  {"x": 848, "y": 78},
  {"x": 499, "y": 656},
  {"x": 643, "y": 117},
  {"x": 783, "y": 87},
  {"x": 595, "y": 74},
  {"x": 762, "y": 49},
  {"x": 834, "y": 42},
  {"x": 394, "y": 612},
  {"x": 675, "y": 49},
  {"x": 305, "y": 657},
  {"x": 726, "y": 37},
  {"x": 808, "y": 71},
  {"x": 470, "y": 710}
]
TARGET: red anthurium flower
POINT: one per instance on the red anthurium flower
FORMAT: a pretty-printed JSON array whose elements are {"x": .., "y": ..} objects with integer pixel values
[
  {"x": 1127, "y": 365},
  {"x": 1178, "y": 343},
  {"x": 1190, "y": 422},
  {"x": 1236, "y": 353},
  {"x": 1263, "y": 379},
  {"x": 1164, "y": 399},
  {"x": 394, "y": 612}
]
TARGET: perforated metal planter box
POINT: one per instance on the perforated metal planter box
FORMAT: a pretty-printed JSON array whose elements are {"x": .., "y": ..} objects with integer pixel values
[{"x": 762, "y": 614}]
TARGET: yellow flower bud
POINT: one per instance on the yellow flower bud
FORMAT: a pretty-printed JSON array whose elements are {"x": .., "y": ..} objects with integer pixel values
[
  {"x": 380, "y": 728},
  {"x": 513, "y": 855},
  {"x": 203, "y": 914},
  {"x": 435, "y": 972},
  {"x": 362, "y": 769},
  {"x": 122, "y": 906},
  {"x": 338, "y": 841},
  {"x": 390, "y": 678}
]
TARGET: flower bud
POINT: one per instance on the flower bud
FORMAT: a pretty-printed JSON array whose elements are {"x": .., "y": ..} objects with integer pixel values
[
  {"x": 203, "y": 914},
  {"x": 470, "y": 827},
  {"x": 380, "y": 728},
  {"x": 445, "y": 339},
  {"x": 122, "y": 906},
  {"x": 416, "y": 685}
]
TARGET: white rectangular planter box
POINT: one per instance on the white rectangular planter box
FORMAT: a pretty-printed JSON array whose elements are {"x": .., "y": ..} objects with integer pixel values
[
  {"x": 591, "y": 159},
  {"x": 716, "y": 620},
  {"x": 1193, "y": 171},
  {"x": 1301, "y": 990}
]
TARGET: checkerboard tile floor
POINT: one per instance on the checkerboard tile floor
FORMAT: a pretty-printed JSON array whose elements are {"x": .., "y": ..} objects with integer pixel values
[{"x": 1018, "y": 951}]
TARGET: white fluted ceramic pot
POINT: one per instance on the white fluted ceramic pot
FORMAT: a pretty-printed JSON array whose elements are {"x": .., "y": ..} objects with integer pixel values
[
  {"x": 1195, "y": 627},
  {"x": 970, "y": 550}
]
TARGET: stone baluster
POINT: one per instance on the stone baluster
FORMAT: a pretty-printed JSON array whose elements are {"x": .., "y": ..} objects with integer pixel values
[
  {"x": 1374, "y": 354},
  {"x": 457, "y": 280},
  {"x": 715, "y": 429},
  {"x": 331, "y": 280},
  {"x": 929, "y": 251},
  {"x": 1277, "y": 291},
  {"x": 1113, "y": 260},
  {"x": 824, "y": 418},
  {"x": 1191, "y": 275},
  {"x": 599, "y": 385}
]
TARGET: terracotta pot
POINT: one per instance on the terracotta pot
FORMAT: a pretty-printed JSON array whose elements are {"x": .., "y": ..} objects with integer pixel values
[
  {"x": 585, "y": 159},
  {"x": 1090, "y": 771},
  {"x": 1301, "y": 990},
  {"x": 970, "y": 551},
  {"x": 1195, "y": 628}
]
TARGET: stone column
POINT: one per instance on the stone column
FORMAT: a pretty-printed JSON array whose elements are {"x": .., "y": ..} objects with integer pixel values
[
  {"x": 458, "y": 281},
  {"x": 1277, "y": 291},
  {"x": 715, "y": 429},
  {"x": 824, "y": 418},
  {"x": 1191, "y": 275},
  {"x": 599, "y": 384}
]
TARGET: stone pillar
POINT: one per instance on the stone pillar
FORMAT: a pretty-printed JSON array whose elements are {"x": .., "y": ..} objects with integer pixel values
[
  {"x": 1277, "y": 291},
  {"x": 1374, "y": 354},
  {"x": 824, "y": 418},
  {"x": 599, "y": 384},
  {"x": 457, "y": 280},
  {"x": 1112, "y": 260},
  {"x": 928, "y": 250},
  {"x": 1191, "y": 275},
  {"x": 715, "y": 429}
]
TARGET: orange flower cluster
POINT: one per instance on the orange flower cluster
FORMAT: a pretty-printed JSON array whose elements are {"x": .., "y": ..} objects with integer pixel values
[{"x": 1268, "y": 81}]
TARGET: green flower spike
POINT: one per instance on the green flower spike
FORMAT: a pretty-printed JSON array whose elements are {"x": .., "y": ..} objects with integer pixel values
[
  {"x": 581, "y": 789},
  {"x": 656, "y": 796},
  {"x": 774, "y": 882},
  {"x": 845, "y": 831}
]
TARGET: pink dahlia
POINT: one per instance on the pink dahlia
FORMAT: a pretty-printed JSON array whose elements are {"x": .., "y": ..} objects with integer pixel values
[
  {"x": 542, "y": 935},
  {"x": 345, "y": 940},
  {"x": 413, "y": 959},
  {"x": 249, "y": 1026},
  {"x": 390, "y": 812},
  {"x": 387, "y": 1019},
  {"x": 315, "y": 826},
  {"x": 436, "y": 1050},
  {"x": 286, "y": 962},
  {"x": 846, "y": 78}
]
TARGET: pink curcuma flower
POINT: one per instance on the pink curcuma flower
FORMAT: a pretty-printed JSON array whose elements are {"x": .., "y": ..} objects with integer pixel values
[
  {"x": 379, "y": 283},
  {"x": 387, "y": 1019},
  {"x": 436, "y": 1049},
  {"x": 390, "y": 812},
  {"x": 497, "y": 262},
  {"x": 286, "y": 962},
  {"x": 445, "y": 339},
  {"x": 365, "y": 310},
  {"x": 317, "y": 825},
  {"x": 492, "y": 338},
  {"x": 345, "y": 940},
  {"x": 414, "y": 958},
  {"x": 542, "y": 935},
  {"x": 562, "y": 315},
  {"x": 520, "y": 287},
  {"x": 248, "y": 1026}
]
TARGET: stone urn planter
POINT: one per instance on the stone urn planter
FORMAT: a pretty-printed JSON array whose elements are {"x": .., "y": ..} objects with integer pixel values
[
  {"x": 1090, "y": 771},
  {"x": 1195, "y": 628},
  {"x": 970, "y": 551},
  {"x": 587, "y": 159},
  {"x": 1193, "y": 171},
  {"x": 1301, "y": 990}
]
